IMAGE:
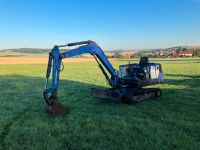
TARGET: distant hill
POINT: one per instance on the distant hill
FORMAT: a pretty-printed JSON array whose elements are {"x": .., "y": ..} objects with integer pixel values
[
  {"x": 111, "y": 53},
  {"x": 188, "y": 47},
  {"x": 25, "y": 52},
  {"x": 30, "y": 50},
  {"x": 46, "y": 51}
]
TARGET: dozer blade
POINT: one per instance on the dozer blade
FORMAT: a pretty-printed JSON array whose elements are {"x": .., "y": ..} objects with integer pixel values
[{"x": 56, "y": 108}]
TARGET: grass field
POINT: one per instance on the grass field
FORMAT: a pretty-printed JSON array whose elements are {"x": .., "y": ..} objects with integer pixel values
[{"x": 169, "y": 122}]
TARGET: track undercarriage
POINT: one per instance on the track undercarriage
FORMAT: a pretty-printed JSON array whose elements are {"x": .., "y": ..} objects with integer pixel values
[{"x": 126, "y": 95}]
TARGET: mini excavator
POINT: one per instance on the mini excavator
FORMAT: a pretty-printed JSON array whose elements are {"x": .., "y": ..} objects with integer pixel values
[{"x": 127, "y": 84}]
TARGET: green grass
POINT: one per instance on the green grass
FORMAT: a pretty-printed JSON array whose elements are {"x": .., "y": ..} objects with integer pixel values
[{"x": 169, "y": 122}]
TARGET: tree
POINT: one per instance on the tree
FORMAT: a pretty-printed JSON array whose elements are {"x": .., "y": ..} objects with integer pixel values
[
  {"x": 118, "y": 54},
  {"x": 138, "y": 54}
]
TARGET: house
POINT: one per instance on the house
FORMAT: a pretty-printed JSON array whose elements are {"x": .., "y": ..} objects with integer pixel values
[
  {"x": 186, "y": 53},
  {"x": 172, "y": 54},
  {"x": 128, "y": 54}
]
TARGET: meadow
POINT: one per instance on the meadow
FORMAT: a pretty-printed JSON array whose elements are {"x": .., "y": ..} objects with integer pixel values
[{"x": 171, "y": 121}]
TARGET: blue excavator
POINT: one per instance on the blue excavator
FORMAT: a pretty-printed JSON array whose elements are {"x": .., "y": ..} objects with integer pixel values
[{"x": 127, "y": 84}]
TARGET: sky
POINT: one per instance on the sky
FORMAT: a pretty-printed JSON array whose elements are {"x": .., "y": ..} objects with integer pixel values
[{"x": 113, "y": 24}]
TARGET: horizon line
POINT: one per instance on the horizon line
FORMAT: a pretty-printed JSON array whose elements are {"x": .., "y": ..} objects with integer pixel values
[{"x": 134, "y": 49}]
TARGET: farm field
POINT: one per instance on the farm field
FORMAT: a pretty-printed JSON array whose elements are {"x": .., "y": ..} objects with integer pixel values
[
  {"x": 169, "y": 122},
  {"x": 37, "y": 60}
]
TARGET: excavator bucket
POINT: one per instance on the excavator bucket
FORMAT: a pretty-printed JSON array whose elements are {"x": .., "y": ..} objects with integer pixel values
[{"x": 55, "y": 108}]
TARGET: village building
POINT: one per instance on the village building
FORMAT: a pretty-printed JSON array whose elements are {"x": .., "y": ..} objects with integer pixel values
[{"x": 186, "y": 53}]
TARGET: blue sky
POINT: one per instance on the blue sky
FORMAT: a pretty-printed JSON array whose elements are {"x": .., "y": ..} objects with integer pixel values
[{"x": 113, "y": 24}]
